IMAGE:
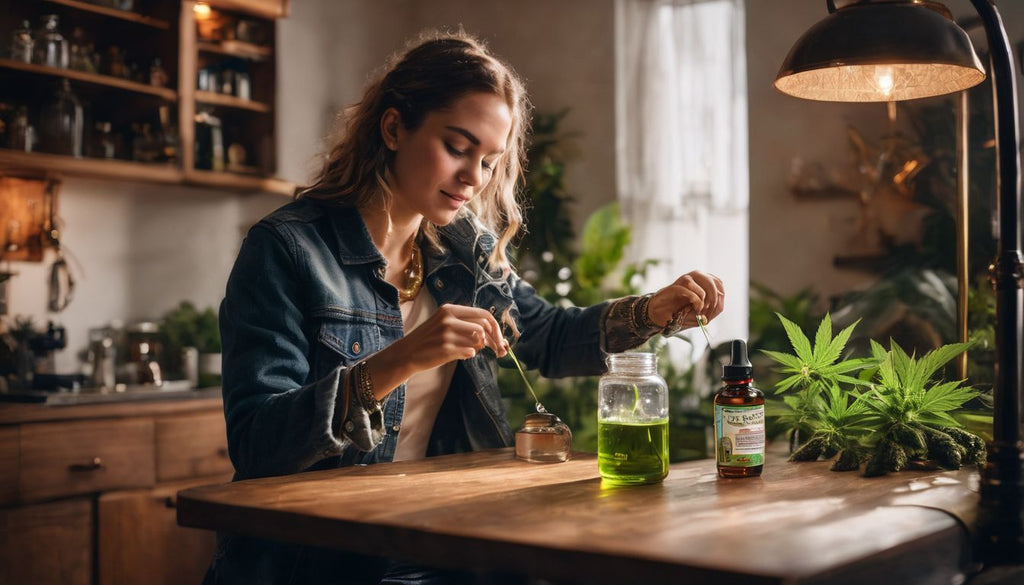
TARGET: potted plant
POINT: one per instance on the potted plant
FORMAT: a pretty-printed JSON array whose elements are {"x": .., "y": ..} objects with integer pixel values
[
  {"x": 890, "y": 410},
  {"x": 193, "y": 335}
]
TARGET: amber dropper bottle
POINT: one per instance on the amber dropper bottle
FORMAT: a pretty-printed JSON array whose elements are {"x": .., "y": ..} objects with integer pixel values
[{"x": 739, "y": 418}]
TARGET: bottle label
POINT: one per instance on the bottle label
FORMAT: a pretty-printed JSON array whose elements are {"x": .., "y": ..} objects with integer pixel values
[{"x": 739, "y": 435}]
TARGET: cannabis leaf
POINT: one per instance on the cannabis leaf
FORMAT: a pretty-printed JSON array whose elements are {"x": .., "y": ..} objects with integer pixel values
[{"x": 811, "y": 366}]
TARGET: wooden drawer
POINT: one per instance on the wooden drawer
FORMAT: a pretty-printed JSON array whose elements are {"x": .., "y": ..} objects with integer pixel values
[
  {"x": 60, "y": 459},
  {"x": 191, "y": 446}
]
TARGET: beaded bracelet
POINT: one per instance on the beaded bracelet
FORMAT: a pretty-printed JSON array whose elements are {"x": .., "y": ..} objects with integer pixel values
[
  {"x": 364, "y": 387},
  {"x": 641, "y": 315}
]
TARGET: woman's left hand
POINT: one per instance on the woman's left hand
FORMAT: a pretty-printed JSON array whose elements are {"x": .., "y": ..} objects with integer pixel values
[{"x": 692, "y": 294}]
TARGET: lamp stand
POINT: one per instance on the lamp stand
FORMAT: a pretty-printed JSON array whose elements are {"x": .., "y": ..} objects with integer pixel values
[{"x": 1000, "y": 521}]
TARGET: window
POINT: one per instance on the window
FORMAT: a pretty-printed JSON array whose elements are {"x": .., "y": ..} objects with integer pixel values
[{"x": 681, "y": 127}]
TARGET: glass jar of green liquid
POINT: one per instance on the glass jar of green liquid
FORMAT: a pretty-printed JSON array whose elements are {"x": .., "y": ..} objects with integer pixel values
[{"x": 632, "y": 421}]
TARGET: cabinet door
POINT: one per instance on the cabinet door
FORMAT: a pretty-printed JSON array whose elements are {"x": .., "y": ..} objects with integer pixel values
[
  {"x": 140, "y": 540},
  {"x": 47, "y": 544}
]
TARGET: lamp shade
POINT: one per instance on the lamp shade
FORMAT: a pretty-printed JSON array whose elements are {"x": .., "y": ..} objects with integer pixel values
[{"x": 879, "y": 51}]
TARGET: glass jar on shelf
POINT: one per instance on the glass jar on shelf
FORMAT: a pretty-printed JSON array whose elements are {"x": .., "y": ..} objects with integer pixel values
[
  {"x": 62, "y": 123},
  {"x": 21, "y": 134},
  {"x": 51, "y": 48},
  {"x": 22, "y": 43}
]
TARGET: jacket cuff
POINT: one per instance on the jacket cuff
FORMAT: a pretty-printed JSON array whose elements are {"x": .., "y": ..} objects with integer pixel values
[
  {"x": 357, "y": 423},
  {"x": 623, "y": 327}
]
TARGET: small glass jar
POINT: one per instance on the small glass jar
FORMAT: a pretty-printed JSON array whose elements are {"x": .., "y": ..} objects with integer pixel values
[
  {"x": 632, "y": 421},
  {"x": 543, "y": 438}
]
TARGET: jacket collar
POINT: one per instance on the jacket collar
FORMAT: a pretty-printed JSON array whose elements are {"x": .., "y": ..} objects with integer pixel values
[{"x": 355, "y": 246}]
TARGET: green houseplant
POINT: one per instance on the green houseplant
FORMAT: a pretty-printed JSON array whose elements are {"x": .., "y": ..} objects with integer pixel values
[{"x": 185, "y": 327}]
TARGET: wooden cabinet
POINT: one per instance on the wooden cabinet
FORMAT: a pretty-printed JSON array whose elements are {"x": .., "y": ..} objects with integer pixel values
[
  {"x": 47, "y": 543},
  {"x": 88, "y": 493},
  {"x": 140, "y": 540},
  {"x": 135, "y": 75}
]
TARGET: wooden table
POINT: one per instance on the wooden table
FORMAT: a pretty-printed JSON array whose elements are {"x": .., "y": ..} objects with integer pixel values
[{"x": 798, "y": 523}]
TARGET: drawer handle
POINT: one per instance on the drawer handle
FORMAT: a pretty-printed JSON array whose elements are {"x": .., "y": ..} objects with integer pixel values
[
  {"x": 223, "y": 451},
  {"x": 93, "y": 465}
]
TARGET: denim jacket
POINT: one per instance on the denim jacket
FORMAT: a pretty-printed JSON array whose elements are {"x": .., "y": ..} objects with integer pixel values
[{"x": 307, "y": 299}]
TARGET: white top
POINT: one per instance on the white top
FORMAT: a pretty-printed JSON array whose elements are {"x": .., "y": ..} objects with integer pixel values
[{"x": 424, "y": 391}]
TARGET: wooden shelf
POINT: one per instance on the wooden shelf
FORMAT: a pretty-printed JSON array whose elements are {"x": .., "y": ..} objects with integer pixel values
[
  {"x": 229, "y": 101},
  {"x": 236, "y": 49},
  {"x": 43, "y": 164},
  {"x": 241, "y": 182},
  {"x": 263, "y": 8},
  {"x": 91, "y": 78},
  {"x": 115, "y": 13}
]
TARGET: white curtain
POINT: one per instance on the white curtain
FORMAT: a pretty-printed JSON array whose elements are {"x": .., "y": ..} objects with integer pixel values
[{"x": 681, "y": 144}]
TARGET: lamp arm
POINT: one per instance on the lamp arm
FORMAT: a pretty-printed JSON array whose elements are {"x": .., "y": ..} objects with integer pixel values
[{"x": 1001, "y": 525}]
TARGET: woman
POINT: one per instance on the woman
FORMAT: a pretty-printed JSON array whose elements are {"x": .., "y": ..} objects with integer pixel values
[{"x": 363, "y": 321}]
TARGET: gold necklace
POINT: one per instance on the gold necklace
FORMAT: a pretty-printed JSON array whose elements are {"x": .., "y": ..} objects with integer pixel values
[{"x": 413, "y": 275}]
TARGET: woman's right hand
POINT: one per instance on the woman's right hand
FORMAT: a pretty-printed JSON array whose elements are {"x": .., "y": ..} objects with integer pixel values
[{"x": 453, "y": 332}]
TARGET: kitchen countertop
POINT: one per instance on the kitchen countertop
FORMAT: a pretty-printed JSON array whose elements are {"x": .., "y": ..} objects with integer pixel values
[{"x": 66, "y": 406}]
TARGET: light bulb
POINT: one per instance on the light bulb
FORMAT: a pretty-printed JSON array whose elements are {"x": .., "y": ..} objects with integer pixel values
[
  {"x": 202, "y": 10},
  {"x": 884, "y": 79}
]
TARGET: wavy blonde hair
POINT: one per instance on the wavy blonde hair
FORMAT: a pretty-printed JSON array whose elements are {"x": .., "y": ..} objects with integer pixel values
[{"x": 430, "y": 75}]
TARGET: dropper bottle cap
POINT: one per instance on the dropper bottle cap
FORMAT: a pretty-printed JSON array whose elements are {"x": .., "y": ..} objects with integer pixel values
[{"x": 739, "y": 367}]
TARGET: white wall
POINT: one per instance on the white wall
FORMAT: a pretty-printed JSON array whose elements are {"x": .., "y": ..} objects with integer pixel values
[{"x": 793, "y": 242}]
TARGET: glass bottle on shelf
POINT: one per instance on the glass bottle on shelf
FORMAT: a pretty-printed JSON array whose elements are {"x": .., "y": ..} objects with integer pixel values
[
  {"x": 168, "y": 138},
  {"x": 22, "y": 134},
  {"x": 81, "y": 52},
  {"x": 62, "y": 123},
  {"x": 51, "y": 48},
  {"x": 103, "y": 143},
  {"x": 157, "y": 74},
  {"x": 144, "y": 146},
  {"x": 209, "y": 142},
  {"x": 22, "y": 43}
]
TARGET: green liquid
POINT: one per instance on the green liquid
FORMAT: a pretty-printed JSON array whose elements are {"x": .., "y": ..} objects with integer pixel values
[{"x": 632, "y": 453}]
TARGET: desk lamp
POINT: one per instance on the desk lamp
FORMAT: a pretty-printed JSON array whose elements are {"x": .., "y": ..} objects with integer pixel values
[{"x": 889, "y": 50}]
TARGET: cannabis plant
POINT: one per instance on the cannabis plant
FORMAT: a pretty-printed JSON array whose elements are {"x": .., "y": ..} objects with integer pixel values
[
  {"x": 910, "y": 413},
  {"x": 892, "y": 413}
]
